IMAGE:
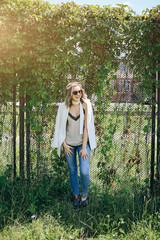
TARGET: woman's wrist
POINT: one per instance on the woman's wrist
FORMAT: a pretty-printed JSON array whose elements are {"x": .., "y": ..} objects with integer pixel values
[
  {"x": 84, "y": 147},
  {"x": 64, "y": 144},
  {"x": 84, "y": 144}
]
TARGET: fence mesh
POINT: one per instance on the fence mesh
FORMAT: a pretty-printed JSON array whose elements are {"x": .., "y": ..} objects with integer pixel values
[{"x": 124, "y": 134}]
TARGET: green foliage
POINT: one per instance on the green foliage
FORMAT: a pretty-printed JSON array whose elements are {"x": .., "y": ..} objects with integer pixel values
[
  {"x": 139, "y": 36},
  {"x": 42, "y": 45},
  {"x": 142, "y": 48},
  {"x": 60, "y": 174},
  {"x": 123, "y": 144},
  {"x": 31, "y": 198}
]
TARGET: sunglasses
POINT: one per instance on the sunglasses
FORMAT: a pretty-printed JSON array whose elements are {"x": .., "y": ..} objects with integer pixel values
[{"x": 76, "y": 92}]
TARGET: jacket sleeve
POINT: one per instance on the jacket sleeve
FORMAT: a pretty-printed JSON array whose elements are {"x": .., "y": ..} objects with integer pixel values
[
  {"x": 55, "y": 141},
  {"x": 90, "y": 125}
]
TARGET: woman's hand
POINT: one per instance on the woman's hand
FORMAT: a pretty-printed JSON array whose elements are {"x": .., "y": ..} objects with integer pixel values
[
  {"x": 84, "y": 154},
  {"x": 67, "y": 149}
]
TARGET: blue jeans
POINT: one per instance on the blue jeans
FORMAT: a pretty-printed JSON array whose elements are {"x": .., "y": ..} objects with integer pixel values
[{"x": 84, "y": 170}]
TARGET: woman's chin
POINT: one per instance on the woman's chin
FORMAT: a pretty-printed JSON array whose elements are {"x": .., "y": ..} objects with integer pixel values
[{"x": 76, "y": 99}]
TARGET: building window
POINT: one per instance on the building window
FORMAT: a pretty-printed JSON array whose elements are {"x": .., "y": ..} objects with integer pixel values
[
  {"x": 123, "y": 68},
  {"x": 121, "y": 82},
  {"x": 112, "y": 84},
  {"x": 127, "y": 85}
]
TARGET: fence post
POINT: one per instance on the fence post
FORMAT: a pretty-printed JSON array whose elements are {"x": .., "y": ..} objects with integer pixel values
[
  {"x": 28, "y": 138},
  {"x": 14, "y": 131},
  {"x": 153, "y": 137},
  {"x": 21, "y": 132},
  {"x": 158, "y": 129}
]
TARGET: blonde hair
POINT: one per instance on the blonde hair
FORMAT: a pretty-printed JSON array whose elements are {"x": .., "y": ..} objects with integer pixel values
[{"x": 69, "y": 93}]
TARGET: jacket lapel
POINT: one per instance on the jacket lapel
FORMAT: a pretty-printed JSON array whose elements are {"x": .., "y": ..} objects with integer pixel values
[{"x": 81, "y": 118}]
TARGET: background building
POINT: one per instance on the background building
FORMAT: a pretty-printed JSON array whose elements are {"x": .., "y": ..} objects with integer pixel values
[{"x": 125, "y": 87}]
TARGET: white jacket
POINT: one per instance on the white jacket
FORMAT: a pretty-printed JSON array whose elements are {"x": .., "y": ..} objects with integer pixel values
[{"x": 61, "y": 121}]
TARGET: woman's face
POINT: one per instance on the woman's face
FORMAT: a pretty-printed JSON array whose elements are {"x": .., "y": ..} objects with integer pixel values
[{"x": 76, "y": 94}]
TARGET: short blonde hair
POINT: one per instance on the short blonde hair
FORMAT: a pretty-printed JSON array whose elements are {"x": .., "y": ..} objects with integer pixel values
[{"x": 69, "y": 93}]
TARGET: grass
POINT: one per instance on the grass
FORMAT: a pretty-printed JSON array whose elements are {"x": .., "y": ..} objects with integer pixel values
[
  {"x": 44, "y": 210},
  {"x": 47, "y": 227}
]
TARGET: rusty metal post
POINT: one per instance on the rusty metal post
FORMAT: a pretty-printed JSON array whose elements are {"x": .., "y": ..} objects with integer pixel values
[
  {"x": 14, "y": 131},
  {"x": 153, "y": 137},
  {"x": 21, "y": 133},
  {"x": 28, "y": 138},
  {"x": 158, "y": 129}
]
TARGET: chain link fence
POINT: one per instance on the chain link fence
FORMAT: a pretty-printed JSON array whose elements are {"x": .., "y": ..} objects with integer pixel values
[{"x": 123, "y": 137}]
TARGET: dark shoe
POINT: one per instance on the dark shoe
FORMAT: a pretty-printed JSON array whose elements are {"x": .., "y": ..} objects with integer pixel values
[
  {"x": 84, "y": 203},
  {"x": 76, "y": 204}
]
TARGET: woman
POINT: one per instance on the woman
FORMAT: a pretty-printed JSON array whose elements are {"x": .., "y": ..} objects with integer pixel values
[{"x": 74, "y": 132}]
